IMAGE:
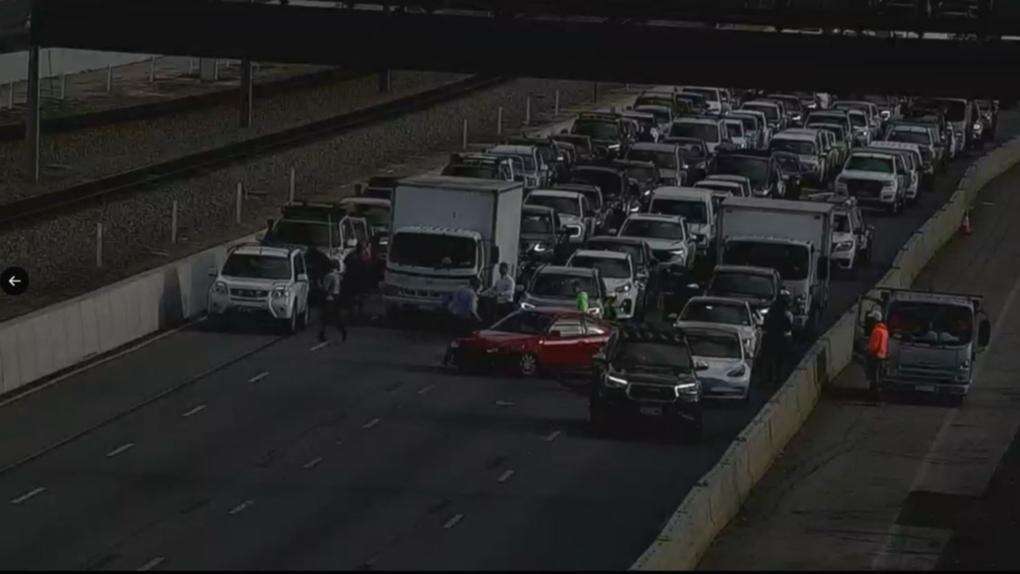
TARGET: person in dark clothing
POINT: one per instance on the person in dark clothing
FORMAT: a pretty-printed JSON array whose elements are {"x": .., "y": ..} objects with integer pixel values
[
  {"x": 331, "y": 304},
  {"x": 778, "y": 323}
]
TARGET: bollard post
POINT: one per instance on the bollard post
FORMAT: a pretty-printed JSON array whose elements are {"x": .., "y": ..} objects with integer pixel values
[
  {"x": 216, "y": 70},
  {"x": 527, "y": 110},
  {"x": 464, "y": 138},
  {"x": 193, "y": 66},
  {"x": 173, "y": 223},
  {"x": 595, "y": 92},
  {"x": 499, "y": 121},
  {"x": 99, "y": 244},
  {"x": 292, "y": 174},
  {"x": 556, "y": 103},
  {"x": 152, "y": 69},
  {"x": 63, "y": 85},
  {"x": 10, "y": 94},
  {"x": 240, "y": 199},
  {"x": 109, "y": 78}
]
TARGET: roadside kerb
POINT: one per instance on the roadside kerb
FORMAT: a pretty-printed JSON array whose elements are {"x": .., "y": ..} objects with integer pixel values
[{"x": 684, "y": 540}]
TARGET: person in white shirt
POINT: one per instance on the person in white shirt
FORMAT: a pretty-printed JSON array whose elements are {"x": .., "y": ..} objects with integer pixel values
[{"x": 504, "y": 289}]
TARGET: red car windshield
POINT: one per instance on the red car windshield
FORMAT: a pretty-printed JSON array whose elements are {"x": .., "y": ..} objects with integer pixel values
[{"x": 525, "y": 322}]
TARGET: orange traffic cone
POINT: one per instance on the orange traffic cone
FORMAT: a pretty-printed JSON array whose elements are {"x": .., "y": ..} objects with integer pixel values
[{"x": 965, "y": 225}]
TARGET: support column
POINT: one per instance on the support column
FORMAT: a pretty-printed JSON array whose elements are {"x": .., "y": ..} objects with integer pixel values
[
  {"x": 33, "y": 114},
  {"x": 246, "y": 93}
]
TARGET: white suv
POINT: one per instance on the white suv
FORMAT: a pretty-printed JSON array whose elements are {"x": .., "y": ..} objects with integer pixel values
[{"x": 262, "y": 281}]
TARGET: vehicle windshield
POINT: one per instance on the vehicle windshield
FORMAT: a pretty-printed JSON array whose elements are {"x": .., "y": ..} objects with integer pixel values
[
  {"x": 661, "y": 116},
  {"x": 709, "y": 312},
  {"x": 315, "y": 233},
  {"x": 608, "y": 268},
  {"x": 653, "y": 229},
  {"x": 793, "y": 146},
  {"x": 692, "y": 210},
  {"x": 595, "y": 129},
  {"x": 834, "y": 130},
  {"x": 662, "y": 159},
  {"x": 257, "y": 267},
  {"x": 377, "y": 216},
  {"x": 607, "y": 181},
  {"x": 753, "y": 168},
  {"x": 642, "y": 173},
  {"x": 432, "y": 250},
  {"x": 955, "y": 111},
  {"x": 749, "y": 124},
  {"x": 714, "y": 346},
  {"x": 842, "y": 223},
  {"x": 561, "y": 286},
  {"x": 705, "y": 132},
  {"x": 791, "y": 261},
  {"x": 568, "y": 205},
  {"x": 735, "y": 129},
  {"x": 525, "y": 322},
  {"x": 527, "y": 162},
  {"x": 479, "y": 171},
  {"x": 709, "y": 94},
  {"x": 632, "y": 354},
  {"x": 858, "y": 120},
  {"x": 909, "y": 137},
  {"x": 694, "y": 149},
  {"x": 771, "y": 112},
  {"x": 636, "y": 252},
  {"x": 537, "y": 223},
  {"x": 930, "y": 323},
  {"x": 742, "y": 285},
  {"x": 870, "y": 163}
]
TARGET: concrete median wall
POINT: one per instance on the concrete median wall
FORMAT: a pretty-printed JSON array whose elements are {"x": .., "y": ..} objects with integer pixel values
[
  {"x": 717, "y": 497},
  {"x": 49, "y": 340}
]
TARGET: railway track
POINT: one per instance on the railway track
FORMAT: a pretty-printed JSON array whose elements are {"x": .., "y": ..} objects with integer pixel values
[{"x": 146, "y": 178}]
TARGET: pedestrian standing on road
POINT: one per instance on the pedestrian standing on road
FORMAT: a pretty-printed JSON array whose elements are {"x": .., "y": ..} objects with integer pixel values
[
  {"x": 878, "y": 351},
  {"x": 503, "y": 289},
  {"x": 580, "y": 297},
  {"x": 777, "y": 325},
  {"x": 331, "y": 305},
  {"x": 463, "y": 307}
]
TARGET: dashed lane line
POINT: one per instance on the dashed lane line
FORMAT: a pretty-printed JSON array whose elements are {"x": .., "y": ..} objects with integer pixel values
[
  {"x": 241, "y": 507},
  {"x": 506, "y": 475},
  {"x": 425, "y": 389},
  {"x": 259, "y": 377},
  {"x": 453, "y": 521},
  {"x": 120, "y": 449},
  {"x": 371, "y": 423},
  {"x": 151, "y": 564},
  {"x": 34, "y": 492},
  {"x": 194, "y": 411},
  {"x": 312, "y": 463},
  {"x": 319, "y": 346},
  {"x": 552, "y": 436}
]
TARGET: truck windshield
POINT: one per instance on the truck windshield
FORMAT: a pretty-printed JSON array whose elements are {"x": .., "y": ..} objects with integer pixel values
[
  {"x": 791, "y": 261},
  {"x": 662, "y": 159},
  {"x": 526, "y": 322},
  {"x": 608, "y": 268},
  {"x": 793, "y": 146},
  {"x": 377, "y": 216},
  {"x": 467, "y": 170},
  {"x": 714, "y": 346},
  {"x": 596, "y": 130},
  {"x": 709, "y": 312},
  {"x": 313, "y": 233},
  {"x": 568, "y": 205},
  {"x": 870, "y": 163},
  {"x": 841, "y": 223},
  {"x": 858, "y": 120},
  {"x": 749, "y": 123},
  {"x": 834, "y": 130},
  {"x": 642, "y": 173},
  {"x": 704, "y": 132},
  {"x": 955, "y": 111},
  {"x": 257, "y": 267},
  {"x": 607, "y": 181},
  {"x": 735, "y": 129},
  {"x": 755, "y": 169},
  {"x": 692, "y": 211},
  {"x": 771, "y": 112},
  {"x": 709, "y": 94},
  {"x": 909, "y": 137},
  {"x": 647, "y": 354},
  {"x": 526, "y": 162},
  {"x": 537, "y": 224},
  {"x": 432, "y": 250},
  {"x": 742, "y": 285},
  {"x": 556, "y": 285},
  {"x": 653, "y": 229},
  {"x": 661, "y": 116},
  {"x": 930, "y": 323}
]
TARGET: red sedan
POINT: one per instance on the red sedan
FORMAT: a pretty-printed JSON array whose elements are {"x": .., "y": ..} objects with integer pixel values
[{"x": 531, "y": 340}]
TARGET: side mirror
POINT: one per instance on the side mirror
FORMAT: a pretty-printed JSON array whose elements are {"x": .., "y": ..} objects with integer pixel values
[
  {"x": 351, "y": 243},
  {"x": 984, "y": 333},
  {"x": 555, "y": 334},
  {"x": 694, "y": 287},
  {"x": 302, "y": 277}
]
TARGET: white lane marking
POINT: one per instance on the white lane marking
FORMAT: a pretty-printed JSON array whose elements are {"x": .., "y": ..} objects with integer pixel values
[
  {"x": 319, "y": 346},
  {"x": 151, "y": 564},
  {"x": 120, "y": 449},
  {"x": 505, "y": 403},
  {"x": 259, "y": 377},
  {"x": 241, "y": 507},
  {"x": 506, "y": 475},
  {"x": 371, "y": 423},
  {"x": 453, "y": 521},
  {"x": 194, "y": 411},
  {"x": 313, "y": 462},
  {"x": 551, "y": 436},
  {"x": 425, "y": 389},
  {"x": 35, "y": 491},
  {"x": 100, "y": 362}
]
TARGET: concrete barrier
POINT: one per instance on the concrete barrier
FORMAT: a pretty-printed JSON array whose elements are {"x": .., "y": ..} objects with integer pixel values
[
  {"x": 682, "y": 543},
  {"x": 49, "y": 340}
]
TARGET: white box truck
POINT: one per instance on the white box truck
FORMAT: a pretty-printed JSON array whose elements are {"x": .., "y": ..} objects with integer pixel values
[
  {"x": 792, "y": 237},
  {"x": 445, "y": 230}
]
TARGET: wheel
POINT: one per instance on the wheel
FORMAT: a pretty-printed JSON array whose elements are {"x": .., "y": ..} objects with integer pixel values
[
  {"x": 527, "y": 364},
  {"x": 291, "y": 325},
  {"x": 303, "y": 321}
]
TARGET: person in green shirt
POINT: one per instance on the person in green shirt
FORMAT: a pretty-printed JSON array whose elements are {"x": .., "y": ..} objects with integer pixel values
[
  {"x": 581, "y": 296},
  {"x": 609, "y": 309}
]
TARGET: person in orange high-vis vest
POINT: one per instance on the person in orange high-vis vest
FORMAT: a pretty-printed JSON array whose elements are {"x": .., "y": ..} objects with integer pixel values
[{"x": 878, "y": 350}]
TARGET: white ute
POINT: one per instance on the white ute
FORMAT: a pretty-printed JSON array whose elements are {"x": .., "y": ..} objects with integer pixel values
[
  {"x": 261, "y": 281},
  {"x": 875, "y": 179}
]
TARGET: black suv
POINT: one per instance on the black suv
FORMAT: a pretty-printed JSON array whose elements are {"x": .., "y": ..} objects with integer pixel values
[
  {"x": 606, "y": 130},
  {"x": 647, "y": 373}
]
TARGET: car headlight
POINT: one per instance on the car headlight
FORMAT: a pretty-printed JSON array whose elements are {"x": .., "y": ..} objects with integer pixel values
[
  {"x": 539, "y": 248},
  {"x": 384, "y": 241},
  {"x": 280, "y": 292},
  {"x": 623, "y": 288},
  {"x": 455, "y": 344},
  {"x": 634, "y": 208},
  {"x": 978, "y": 126},
  {"x": 687, "y": 388},
  {"x": 844, "y": 246},
  {"x": 526, "y": 306},
  {"x": 737, "y": 372},
  {"x": 220, "y": 288},
  {"x": 613, "y": 147},
  {"x": 614, "y": 382},
  {"x": 681, "y": 251}
]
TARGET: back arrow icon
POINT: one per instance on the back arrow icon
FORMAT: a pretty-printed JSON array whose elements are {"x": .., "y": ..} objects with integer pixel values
[{"x": 13, "y": 281}]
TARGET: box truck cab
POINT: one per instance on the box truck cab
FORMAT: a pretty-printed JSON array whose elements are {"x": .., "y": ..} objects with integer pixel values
[
  {"x": 792, "y": 237},
  {"x": 934, "y": 339},
  {"x": 446, "y": 230}
]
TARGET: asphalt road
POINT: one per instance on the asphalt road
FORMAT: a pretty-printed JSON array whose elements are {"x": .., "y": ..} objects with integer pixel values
[{"x": 356, "y": 455}]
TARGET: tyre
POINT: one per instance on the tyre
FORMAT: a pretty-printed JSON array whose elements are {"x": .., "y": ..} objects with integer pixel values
[
  {"x": 527, "y": 365},
  {"x": 303, "y": 321},
  {"x": 290, "y": 326}
]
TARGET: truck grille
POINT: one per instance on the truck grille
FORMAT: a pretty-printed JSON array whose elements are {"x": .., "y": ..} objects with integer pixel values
[
  {"x": 659, "y": 393},
  {"x": 253, "y": 293},
  {"x": 863, "y": 188}
]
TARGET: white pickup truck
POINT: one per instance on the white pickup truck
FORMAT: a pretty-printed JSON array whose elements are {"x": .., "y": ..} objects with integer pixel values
[{"x": 876, "y": 179}]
